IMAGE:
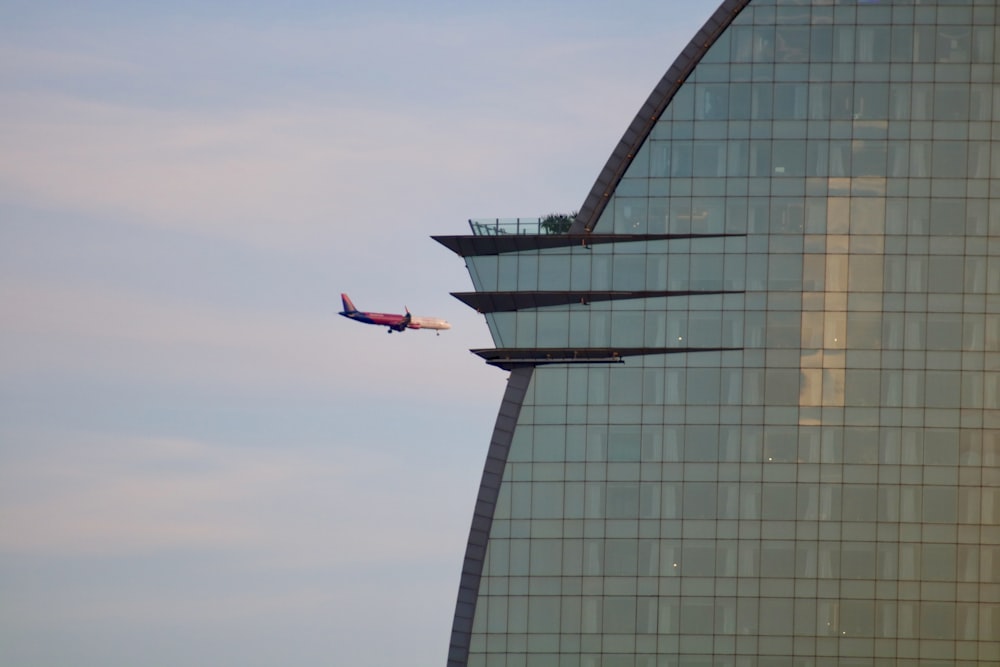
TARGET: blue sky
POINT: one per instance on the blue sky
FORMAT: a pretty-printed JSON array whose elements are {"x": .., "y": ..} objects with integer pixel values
[{"x": 200, "y": 463}]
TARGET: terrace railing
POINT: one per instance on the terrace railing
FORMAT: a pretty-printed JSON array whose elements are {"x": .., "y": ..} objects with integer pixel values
[{"x": 550, "y": 224}]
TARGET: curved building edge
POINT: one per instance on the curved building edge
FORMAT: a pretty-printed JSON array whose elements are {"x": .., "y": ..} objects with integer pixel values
[
  {"x": 642, "y": 125},
  {"x": 482, "y": 519},
  {"x": 520, "y": 376}
]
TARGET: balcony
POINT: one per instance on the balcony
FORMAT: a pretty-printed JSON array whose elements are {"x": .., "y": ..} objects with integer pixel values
[{"x": 556, "y": 223}]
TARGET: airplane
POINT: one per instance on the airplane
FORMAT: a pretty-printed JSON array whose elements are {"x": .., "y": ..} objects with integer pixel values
[{"x": 394, "y": 322}]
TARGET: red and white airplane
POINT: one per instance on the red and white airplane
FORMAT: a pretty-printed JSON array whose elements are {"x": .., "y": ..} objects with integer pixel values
[{"x": 394, "y": 322}]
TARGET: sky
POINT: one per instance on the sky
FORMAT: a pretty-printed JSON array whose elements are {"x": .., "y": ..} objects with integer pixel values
[{"x": 200, "y": 462}]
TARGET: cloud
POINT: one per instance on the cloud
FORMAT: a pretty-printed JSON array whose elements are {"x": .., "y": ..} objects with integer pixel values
[
  {"x": 253, "y": 177},
  {"x": 199, "y": 460},
  {"x": 95, "y": 495},
  {"x": 27, "y": 63},
  {"x": 223, "y": 554},
  {"x": 287, "y": 179},
  {"x": 89, "y": 495},
  {"x": 313, "y": 147}
]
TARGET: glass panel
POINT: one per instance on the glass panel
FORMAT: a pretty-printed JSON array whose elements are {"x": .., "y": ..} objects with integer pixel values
[{"x": 825, "y": 484}]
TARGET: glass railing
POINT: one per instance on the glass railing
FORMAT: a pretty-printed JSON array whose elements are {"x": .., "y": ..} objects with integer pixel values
[{"x": 550, "y": 224}]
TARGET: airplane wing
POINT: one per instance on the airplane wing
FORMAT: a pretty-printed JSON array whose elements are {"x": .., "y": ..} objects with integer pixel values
[{"x": 403, "y": 323}]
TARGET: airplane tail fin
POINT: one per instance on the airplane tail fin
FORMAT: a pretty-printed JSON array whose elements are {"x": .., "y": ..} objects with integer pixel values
[{"x": 348, "y": 304}]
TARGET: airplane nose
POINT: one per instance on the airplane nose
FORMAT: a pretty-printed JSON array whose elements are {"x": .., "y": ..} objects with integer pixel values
[{"x": 447, "y": 325}]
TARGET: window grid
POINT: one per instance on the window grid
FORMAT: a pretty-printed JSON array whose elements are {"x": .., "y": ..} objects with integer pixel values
[{"x": 831, "y": 494}]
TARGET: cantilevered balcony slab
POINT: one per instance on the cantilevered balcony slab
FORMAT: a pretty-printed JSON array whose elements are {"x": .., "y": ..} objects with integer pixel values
[
  {"x": 501, "y": 302},
  {"x": 519, "y": 357},
  {"x": 477, "y": 246}
]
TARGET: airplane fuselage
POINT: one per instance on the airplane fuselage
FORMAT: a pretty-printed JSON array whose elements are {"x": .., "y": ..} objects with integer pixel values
[{"x": 394, "y": 321}]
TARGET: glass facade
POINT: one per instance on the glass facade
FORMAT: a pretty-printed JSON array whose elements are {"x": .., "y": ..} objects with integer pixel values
[{"x": 761, "y": 424}]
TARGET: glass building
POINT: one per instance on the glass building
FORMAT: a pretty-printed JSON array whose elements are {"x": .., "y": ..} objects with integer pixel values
[{"x": 753, "y": 411}]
